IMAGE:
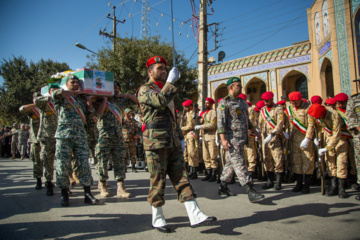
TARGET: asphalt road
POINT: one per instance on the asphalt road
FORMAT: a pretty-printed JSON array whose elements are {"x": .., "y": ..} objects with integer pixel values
[{"x": 26, "y": 213}]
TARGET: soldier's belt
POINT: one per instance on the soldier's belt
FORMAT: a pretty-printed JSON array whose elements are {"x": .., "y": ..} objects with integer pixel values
[{"x": 161, "y": 125}]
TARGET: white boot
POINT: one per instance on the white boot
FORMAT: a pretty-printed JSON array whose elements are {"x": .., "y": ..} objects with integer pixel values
[
  {"x": 158, "y": 219},
  {"x": 195, "y": 215}
]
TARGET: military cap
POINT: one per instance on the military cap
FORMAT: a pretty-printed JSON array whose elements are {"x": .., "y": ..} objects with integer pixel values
[
  {"x": 155, "y": 59},
  {"x": 53, "y": 85},
  {"x": 256, "y": 109},
  {"x": 220, "y": 100},
  {"x": 243, "y": 96},
  {"x": 330, "y": 101},
  {"x": 282, "y": 102},
  {"x": 295, "y": 96},
  {"x": 210, "y": 100},
  {"x": 341, "y": 97},
  {"x": 305, "y": 100},
  {"x": 128, "y": 110},
  {"x": 317, "y": 111},
  {"x": 260, "y": 104},
  {"x": 267, "y": 96},
  {"x": 232, "y": 80},
  {"x": 249, "y": 103},
  {"x": 316, "y": 99},
  {"x": 187, "y": 103}
]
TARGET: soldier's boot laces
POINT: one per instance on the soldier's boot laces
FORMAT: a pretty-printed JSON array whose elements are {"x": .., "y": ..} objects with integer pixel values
[
  {"x": 306, "y": 186},
  {"x": 252, "y": 194},
  {"x": 277, "y": 185},
  {"x": 64, "y": 197},
  {"x": 103, "y": 189},
  {"x": 270, "y": 181},
  {"x": 224, "y": 190},
  {"x": 72, "y": 180},
  {"x": 89, "y": 198},
  {"x": 213, "y": 175},
  {"x": 50, "y": 188},
  {"x": 38, "y": 184},
  {"x": 342, "y": 193},
  {"x": 76, "y": 176},
  {"x": 121, "y": 190},
  {"x": 334, "y": 187},
  {"x": 208, "y": 175},
  {"x": 299, "y": 185}
]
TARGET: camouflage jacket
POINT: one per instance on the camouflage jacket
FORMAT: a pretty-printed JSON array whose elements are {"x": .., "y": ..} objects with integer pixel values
[
  {"x": 23, "y": 136},
  {"x": 252, "y": 117},
  {"x": 92, "y": 132},
  {"x": 353, "y": 112},
  {"x": 34, "y": 125},
  {"x": 155, "y": 105},
  {"x": 209, "y": 125},
  {"x": 48, "y": 119},
  {"x": 14, "y": 135},
  {"x": 140, "y": 133},
  {"x": 277, "y": 115},
  {"x": 189, "y": 125},
  {"x": 303, "y": 116},
  {"x": 232, "y": 119},
  {"x": 130, "y": 129}
]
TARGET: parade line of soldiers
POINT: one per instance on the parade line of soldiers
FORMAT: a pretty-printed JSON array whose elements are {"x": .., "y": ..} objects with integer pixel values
[{"x": 277, "y": 142}]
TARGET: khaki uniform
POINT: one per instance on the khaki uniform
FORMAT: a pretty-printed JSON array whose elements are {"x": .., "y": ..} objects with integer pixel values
[
  {"x": 210, "y": 149},
  {"x": 191, "y": 142},
  {"x": 273, "y": 151},
  {"x": 130, "y": 130},
  {"x": 250, "y": 150},
  {"x": 14, "y": 140}
]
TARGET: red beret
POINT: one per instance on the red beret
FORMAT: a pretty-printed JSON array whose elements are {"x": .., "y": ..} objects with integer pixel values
[
  {"x": 187, "y": 103},
  {"x": 220, "y": 100},
  {"x": 295, "y": 96},
  {"x": 267, "y": 96},
  {"x": 330, "y": 101},
  {"x": 243, "y": 96},
  {"x": 210, "y": 100},
  {"x": 317, "y": 111},
  {"x": 177, "y": 110},
  {"x": 256, "y": 109},
  {"x": 282, "y": 102},
  {"x": 316, "y": 99},
  {"x": 156, "y": 59},
  {"x": 260, "y": 104},
  {"x": 305, "y": 100},
  {"x": 249, "y": 103},
  {"x": 341, "y": 97}
]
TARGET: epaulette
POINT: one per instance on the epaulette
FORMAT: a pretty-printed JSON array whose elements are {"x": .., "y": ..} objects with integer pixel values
[
  {"x": 355, "y": 94},
  {"x": 226, "y": 97}
]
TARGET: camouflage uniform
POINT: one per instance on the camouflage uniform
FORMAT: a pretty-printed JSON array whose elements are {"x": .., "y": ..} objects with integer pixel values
[
  {"x": 162, "y": 144},
  {"x": 233, "y": 121},
  {"x": 70, "y": 140},
  {"x": 23, "y": 138},
  {"x": 250, "y": 150},
  {"x": 191, "y": 142},
  {"x": 47, "y": 129},
  {"x": 210, "y": 150},
  {"x": 92, "y": 135},
  {"x": 14, "y": 141},
  {"x": 130, "y": 130},
  {"x": 139, "y": 145}
]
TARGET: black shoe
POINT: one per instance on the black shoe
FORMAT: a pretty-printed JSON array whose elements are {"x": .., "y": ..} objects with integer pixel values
[
  {"x": 206, "y": 222},
  {"x": 163, "y": 229},
  {"x": 306, "y": 186},
  {"x": 89, "y": 198},
  {"x": 208, "y": 175},
  {"x": 252, "y": 194},
  {"x": 342, "y": 193},
  {"x": 299, "y": 185},
  {"x": 64, "y": 197},
  {"x": 213, "y": 175},
  {"x": 110, "y": 167},
  {"x": 224, "y": 190},
  {"x": 277, "y": 185},
  {"x": 38, "y": 184},
  {"x": 193, "y": 173},
  {"x": 334, "y": 187},
  {"x": 270, "y": 181},
  {"x": 50, "y": 188}
]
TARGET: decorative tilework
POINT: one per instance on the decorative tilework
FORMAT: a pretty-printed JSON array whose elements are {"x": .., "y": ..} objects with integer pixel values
[
  {"x": 261, "y": 76},
  {"x": 273, "y": 85},
  {"x": 329, "y": 55},
  {"x": 357, "y": 35},
  {"x": 355, "y": 5},
  {"x": 303, "y": 68},
  {"x": 216, "y": 84},
  {"x": 342, "y": 46},
  {"x": 325, "y": 48}
]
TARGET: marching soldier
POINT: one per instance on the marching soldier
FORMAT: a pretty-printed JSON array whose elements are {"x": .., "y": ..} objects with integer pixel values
[
  {"x": 164, "y": 145},
  {"x": 130, "y": 135},
  {"x": 210, "y": 150},
  {"x": 14, "y": 140},
  {"x": 23, "y": 138},
  {"x": 190, "y": 138},
  {"x": 233, "y": 124},
  {"x": 140, "y": 154},
  {"x": 336, "y": 149},
  {"x": 301, "y": 144}
]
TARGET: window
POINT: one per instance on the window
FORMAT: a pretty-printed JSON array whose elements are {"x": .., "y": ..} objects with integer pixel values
[{"x": 301, "y": 86}]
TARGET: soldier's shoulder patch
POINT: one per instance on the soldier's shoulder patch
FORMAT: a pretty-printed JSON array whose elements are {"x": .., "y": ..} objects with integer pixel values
[
  {"x": 34, "y": 116},
  {"x": 357, "y": 109},
  {"x": 311, "y": 119},
  {"x": 68, "y": 106},
  {"x": 238, "y": 112},
  {"x": 214, "y": 121},
  {"x": 222, "y": 107},
  {"x": 48, "y": 113}
]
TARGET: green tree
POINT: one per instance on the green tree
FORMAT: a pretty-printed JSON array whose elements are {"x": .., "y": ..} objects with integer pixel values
[
  {"x": 128, "y": 61},
  {"x": 21, "y": 80}
]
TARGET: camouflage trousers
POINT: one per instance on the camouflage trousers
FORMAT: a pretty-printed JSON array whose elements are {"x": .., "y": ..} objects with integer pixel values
[
  {"x": 302, "y": 160},
  {"x": 167, "y": 161},
  {"x": 351, "y": 158},
  {"x": 250, "y": 155},
  {"x": 192, "y": 152},
  {"x": 37, "y": 162},
  {"x": 130, "y": 152},
  {"x": 235, "y": 162},
  {"x": 210, "y": 154},
  {"x": 47, "y": 155},
  {"x": 65, "y": 148},
  {"x": 14, "y": 147},
  {"x": 73, "y": 166},
  {"x": 185, "y": 155},
  {"x": 337, "y": 160},
  {"x": 92, "y": 145},
  {"x": 22, "y": 148},
  {"x": 111, "y": 149},
  {"x": 273, "y": 155},
  {"x": 140, "y": 153},
  {"x": 356, "y": 140}
]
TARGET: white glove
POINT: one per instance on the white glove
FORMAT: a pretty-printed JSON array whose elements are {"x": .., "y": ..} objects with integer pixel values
[
  {"x": 256, "y": 139},
  {"x": 317, "y": 142},
  {"x": 173, "y": 75},
  {"x": 287, "y": 135},
  {"x": 268, "y": 139},
  {"x": 305, "y": 143},
  {"x": 322, "y": 151},
  {"x": 197, "y": 127},
  {"x": 183, "y": 145}
]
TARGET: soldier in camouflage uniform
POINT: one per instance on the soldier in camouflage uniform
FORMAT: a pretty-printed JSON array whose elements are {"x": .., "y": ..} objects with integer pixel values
[
  {"x": 71, "y": 138},
  {"x": 233, "y": 124},
  {"x": 23, "y": 137},
  {"x": 111, "y": 145},
  {"x": 353, "y": 123},
  {"x": 14, "y": 140},
  {"x": 164, "y": 144},
  {"x": 140, "y": 154},
  {"x": 92, "y": 134},
  {"x": 130, "y": 135}
]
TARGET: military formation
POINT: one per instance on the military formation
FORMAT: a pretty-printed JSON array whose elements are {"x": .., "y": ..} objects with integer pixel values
[{"x": 296, "y": 141}]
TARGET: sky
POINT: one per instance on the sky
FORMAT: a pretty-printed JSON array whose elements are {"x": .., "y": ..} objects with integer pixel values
[{"x": 49, "y": 29}]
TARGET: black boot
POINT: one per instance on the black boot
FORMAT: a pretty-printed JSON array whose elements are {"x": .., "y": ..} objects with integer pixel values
[
  {"x": 134, "y": 168},
  {"x": 89, "y": 198},
  {"x": 219, "y": 174},
  {"x": 334, "y": 187},
  {"x": 193, "y": 173},
  {"x": 64, "y": 197},
  {"x": 208, "y": 175},
  {"x": 224, "y": 190},
  {"x": 277, "y": 185},
  {"x": 38, "y": 184},
  {"x": 270, "y": 180},
  {"x": 49, "y": 186},
  {"x": 213, "y": 175},
  {"x": 307, "y": 182},
  {"x": 252, "y": 194},
  {"x": 232, "y": 181},
  {"x": 342, "y": 193},
  {"x": 110, "y": 167},
  {"x": 299, "y": 183},
  {"x": 201, "y": 168}
]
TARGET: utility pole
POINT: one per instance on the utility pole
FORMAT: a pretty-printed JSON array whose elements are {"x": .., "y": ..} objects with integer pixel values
[
  {"x": 113, "y": 36},
  {"x": 202, "y": 56}
]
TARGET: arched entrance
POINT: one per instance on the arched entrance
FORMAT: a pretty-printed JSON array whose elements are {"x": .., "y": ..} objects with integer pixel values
[
  {"x": 220, "y": 92},
  {"x": 326, "y": 77},
  {"x": 357, "y": 36},
  {"x": 253, "y": 90},
  {"x": 295, "y": 81}
]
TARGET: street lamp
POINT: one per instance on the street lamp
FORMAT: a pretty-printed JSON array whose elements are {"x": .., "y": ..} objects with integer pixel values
[{"x": 79, "y": 45}]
